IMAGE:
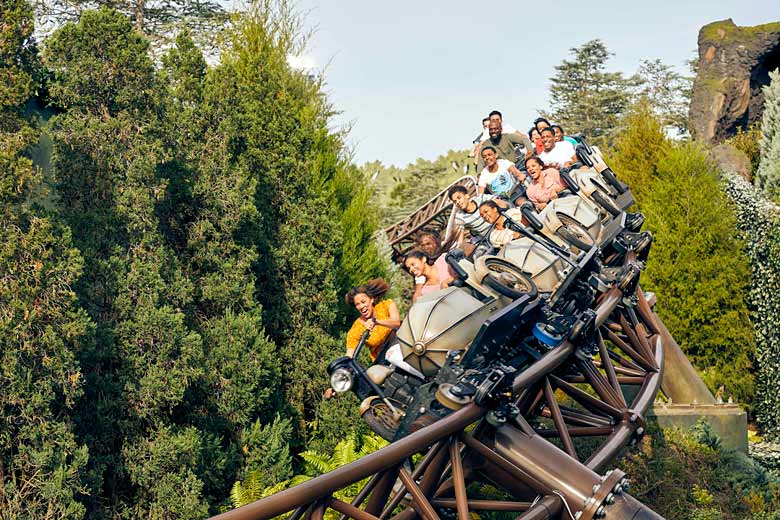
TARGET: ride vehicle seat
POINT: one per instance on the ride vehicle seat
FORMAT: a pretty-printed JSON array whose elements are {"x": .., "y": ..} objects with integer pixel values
[{"x": 388, "y": 360}]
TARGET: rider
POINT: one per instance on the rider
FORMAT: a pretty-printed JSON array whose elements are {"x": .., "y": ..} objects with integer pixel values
[
  {"x": 467, "y": 210},
  {"x": 378, "y": 316},
  {"x": 545, "y": 183},
  {"x": 501, "y": 234},
  {"x": 438, "y": 274},
  {"x": 504, "y": 144},
  {"x": 559, "y": 154},
  {"x": 500, "y": 175}
]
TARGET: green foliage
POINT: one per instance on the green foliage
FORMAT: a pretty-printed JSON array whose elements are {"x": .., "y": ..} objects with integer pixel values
[
  {"x": 273, "y": 123},
  {"x": 638, "y": 148},
  {"x": 86, "y": 78},
  {"x": 748, "y": 141},
  {"x": 156, "y": 19},
  {"x": 17, "y": 55},
  {"x": 399, "y": 191},
  {"x": 681, "y": 475},
  {"x": 41, "y": 328},
  {"x": 667, "y": 91},
  {"x": 704, "y": 433},
  {"x": 759, "y": 222},
  {"x": 163, "y": 466},
  {"x": 768, "y": 173},
  {"x": 697, "y": 266},
  {"x": 584, "y": 97},
  {"x": 346, "y": 451},
  {"x": 266, "y": 452}
]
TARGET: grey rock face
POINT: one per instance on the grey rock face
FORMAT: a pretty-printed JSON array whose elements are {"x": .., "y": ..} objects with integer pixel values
[{"x": 734, "y": 63}]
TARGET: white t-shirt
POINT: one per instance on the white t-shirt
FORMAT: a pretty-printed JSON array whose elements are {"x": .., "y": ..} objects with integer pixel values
[
  {"x": 561, "y": 153},
  {"x": 500, "y": 182},
  {"x": 505, "y": 129}
]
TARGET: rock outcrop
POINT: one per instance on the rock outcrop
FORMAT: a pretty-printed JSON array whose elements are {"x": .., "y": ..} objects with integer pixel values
[{"x": 734, "y": 63}]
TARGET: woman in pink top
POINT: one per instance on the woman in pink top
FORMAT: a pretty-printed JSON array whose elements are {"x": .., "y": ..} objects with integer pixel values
[
  {"x": 437, "y": 275},
  {"x": 545, "y": 183}
]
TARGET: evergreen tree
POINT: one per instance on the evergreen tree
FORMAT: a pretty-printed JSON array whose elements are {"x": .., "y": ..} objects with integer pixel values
[
  {"x": 759, "y": 221},
  {"x": 668, "y": 92},
  {"x": 145, "y": 356},
  {"x": 153, "y": 18},
  {"x": 274, "y": 124},
  {"x": 41, "y": 328},
  {"x": 584, "y": 97},
  {"x": 213, "y": 204},
  {"x": 768, "y": 174},
  {"x": 697, "y": 266}
]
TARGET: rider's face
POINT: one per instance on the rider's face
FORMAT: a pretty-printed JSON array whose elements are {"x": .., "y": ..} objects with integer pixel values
[
  {"x": 488, "y": 213},
  {"x": 461, "y": 200},
  {"x": 548, "y": 140},
  {"x": 541, "y": 125},
  {"x": 428, "y": 245},
  {"x": 494, "y": 129},
  {"x": 534, "y": 170},
  {"x": 558, "y": 135},
  {"x": 489, "y": 156},
  {"x": 415, "y": 266},
  {"x": 365, "y": 305}
]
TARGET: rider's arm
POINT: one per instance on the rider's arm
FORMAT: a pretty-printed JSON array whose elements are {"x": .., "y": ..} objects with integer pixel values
[
  {"x": 353, "y": 336},
  {"x": 394, "y": 320},
  {"x": 519, "y": 138},
  {"x": 417, "y": 291},
  {"x": 520, "y": 176},
  {"x": 501, "y": 203}
]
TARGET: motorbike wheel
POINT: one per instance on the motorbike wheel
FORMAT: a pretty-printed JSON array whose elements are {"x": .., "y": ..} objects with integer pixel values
[
  {"x": 613, "y": 181},
  {"x": 574, "y": 233},
  {"x": 508, "y": 280},
  {"x": 606, "y": 203},
  {"x": 380, "y": 419}
]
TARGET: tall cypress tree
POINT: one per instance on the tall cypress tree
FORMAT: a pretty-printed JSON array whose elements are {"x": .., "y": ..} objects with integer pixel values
[
  {"x": 145, "y": 356},
  {"x": 274, "y": 121},
  {"x": 212, "y": 221},
  {"x": 41, "y": 329}
]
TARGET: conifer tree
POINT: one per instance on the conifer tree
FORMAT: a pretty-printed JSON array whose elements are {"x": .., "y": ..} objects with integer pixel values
[
  {"x": 584, "y": 97},
  {"x": 153, "y": 18},
  {"x": 274, "y": 124},
  {"x": 668, "y": 92},
  {"x": 214, "y": 206},
  {"x": 768, "y": 174},
  {"x": 41, "y": 329},
  {"x": 697, "y": 266},
  {"x": 145, "y": 356}
]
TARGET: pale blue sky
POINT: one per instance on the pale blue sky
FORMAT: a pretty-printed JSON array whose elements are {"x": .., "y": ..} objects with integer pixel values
[{"x": 416, "y": 78}]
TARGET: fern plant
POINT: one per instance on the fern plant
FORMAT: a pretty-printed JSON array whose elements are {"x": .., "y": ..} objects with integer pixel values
[{"x": 315, "y": 463}]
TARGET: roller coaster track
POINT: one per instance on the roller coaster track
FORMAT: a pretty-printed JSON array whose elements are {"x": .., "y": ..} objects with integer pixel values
[{"x": 578, "y": 408}]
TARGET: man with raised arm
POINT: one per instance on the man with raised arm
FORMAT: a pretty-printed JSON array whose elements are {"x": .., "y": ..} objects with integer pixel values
[
  {"x": 496, "y": 116},
  {"x": 504, "y": 144}
]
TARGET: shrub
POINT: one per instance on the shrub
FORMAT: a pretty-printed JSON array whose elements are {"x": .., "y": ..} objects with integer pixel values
[
  {"x": 315, "y": 463},
  {"x": 697, "y": 266},
  {"x": 768, "y": 174},
  {"x": 748, "y": 141},
  {"x": 680, "y": 475},
  {"x": 759, "y": 221}
]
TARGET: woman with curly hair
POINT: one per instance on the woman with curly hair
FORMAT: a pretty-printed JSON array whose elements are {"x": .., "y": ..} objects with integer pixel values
[{"x": 378, "y": 315}]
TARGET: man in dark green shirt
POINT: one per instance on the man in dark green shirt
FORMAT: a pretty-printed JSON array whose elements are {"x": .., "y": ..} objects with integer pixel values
[{"x": 504, "y": 144}]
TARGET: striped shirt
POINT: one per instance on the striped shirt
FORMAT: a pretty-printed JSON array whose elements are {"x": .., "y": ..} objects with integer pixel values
[{"x": 473, "y": 222}]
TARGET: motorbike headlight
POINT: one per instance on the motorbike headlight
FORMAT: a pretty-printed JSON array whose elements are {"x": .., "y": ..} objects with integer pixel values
[{"x": 341, "y": 380}]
